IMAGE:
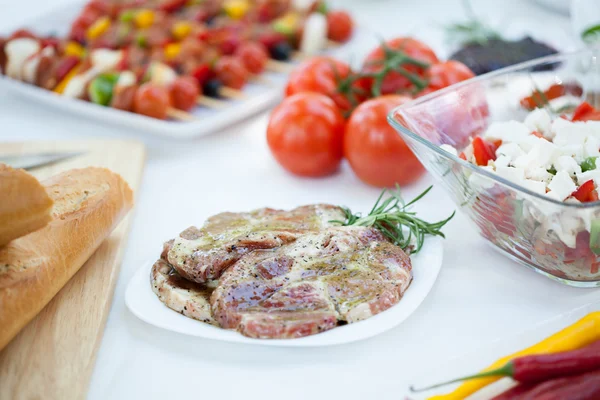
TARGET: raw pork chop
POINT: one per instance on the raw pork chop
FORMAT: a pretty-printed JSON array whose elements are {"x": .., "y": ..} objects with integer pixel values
[
  {"x": 305, "y": 287},
  {"x": 203, "y": 254}
]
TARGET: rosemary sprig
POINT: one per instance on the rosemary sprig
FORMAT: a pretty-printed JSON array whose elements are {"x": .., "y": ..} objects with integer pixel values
[
  {"x": 392, "y": 217},
  {"x": 471, "y": 31}
]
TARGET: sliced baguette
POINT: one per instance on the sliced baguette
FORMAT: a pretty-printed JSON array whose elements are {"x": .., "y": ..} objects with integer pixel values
[
  {"x": 25, "y": 205},
  {"x": 88, "y": 205}
]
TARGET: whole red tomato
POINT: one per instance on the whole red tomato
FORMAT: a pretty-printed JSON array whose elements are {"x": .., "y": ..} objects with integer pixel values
[
  {"x": 339, "y": 26},
  {"x": 254, "y": 56},
  {"x": 184, "y": 93},
  {"x": 394, "y": 81},
  {"x": 326, "y": 75},
  {"x": 377, "y": 154},
  {"x": 305, "y": 134},
  {"x": 231, "y": 72},
  {"x": 447, "y": 73},
  {"x": 151, "y": 100}
]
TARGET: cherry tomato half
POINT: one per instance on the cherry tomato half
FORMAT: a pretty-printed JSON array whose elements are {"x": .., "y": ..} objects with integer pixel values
[
  {"x": 447, "y": 73},
  {"x": 377, "y": 154},
  {"x": 184, "y": 93},
  {"x": 254, "y": 56},
  {"x": 231, "y": 72},
  {"x": 151, "y": 100},
  {"x": 325, "y": 75},
  {"x": 339, "y": 26},
  {"x": 394, "y": 81},
  {"x": 305, "y": 134}
]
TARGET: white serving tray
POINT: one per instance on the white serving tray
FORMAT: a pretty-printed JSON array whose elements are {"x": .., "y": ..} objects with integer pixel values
[
  {"x": 143, "y": 303},
  {"x": 259, "y": 97},
  {"x": 477, "y": 359}
]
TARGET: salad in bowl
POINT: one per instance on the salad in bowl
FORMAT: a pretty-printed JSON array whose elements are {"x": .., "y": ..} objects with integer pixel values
[{"x": 517, "y": 150}]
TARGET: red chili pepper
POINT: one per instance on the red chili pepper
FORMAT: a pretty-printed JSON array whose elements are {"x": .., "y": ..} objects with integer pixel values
[
  {"x": 580, "y": 387},
  {"x": 580, "y": 112},
  {"x": 65, "y": 67},
  {"x": 483, "y": 151},
  {"x": 536, "y": 368},
  {"x": 584, "y": 192},
  {"x": 202, "y": 73}
]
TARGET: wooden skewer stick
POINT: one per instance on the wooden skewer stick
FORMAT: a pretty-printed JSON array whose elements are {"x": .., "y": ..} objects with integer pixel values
[
  {"x": 278, "y": 66},
  {"x": 210, "y": 102},
  {"x": 179, "y": 115},
  {"x": 232, "y": 93},
  {"x": 261, "y": 80}
]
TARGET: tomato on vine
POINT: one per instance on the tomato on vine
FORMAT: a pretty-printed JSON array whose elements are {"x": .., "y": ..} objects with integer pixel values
[
  {"x": 399, "y": 65},
  {"x": 305, "y": 134},
  {"x": 330, "y": 77},
  {"x": 375, "y": 151}
]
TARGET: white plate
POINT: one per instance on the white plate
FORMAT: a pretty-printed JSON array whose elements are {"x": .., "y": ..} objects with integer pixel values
[
  {"x": 142, "y": 302},
  {"x": 476, "y": 360},
  {"x": 260, "y": 97}
]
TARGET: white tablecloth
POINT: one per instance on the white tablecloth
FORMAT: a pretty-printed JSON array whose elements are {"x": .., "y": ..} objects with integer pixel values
[{"x": 479, "y": 296}]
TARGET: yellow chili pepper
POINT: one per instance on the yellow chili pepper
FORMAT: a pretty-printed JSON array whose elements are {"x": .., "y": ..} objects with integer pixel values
[
  {"x": 60, "y": 88},
  {"x": 74, "y": 49},
  {"x": 144, "y": 18},
  {"x": 172, "y": 50},
  {"x": 236, "y": 9},
  {"x": 98, "y": 28},
  {"x": 180, "y": 30},
  {"x": 580, "y": 334}
]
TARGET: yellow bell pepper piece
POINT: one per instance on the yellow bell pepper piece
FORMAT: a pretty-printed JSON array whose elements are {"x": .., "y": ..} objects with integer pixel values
[
  {"x": 580, "y": 334},
  {"x": 286, "y": 24},
  {"x": 74, "y": 49},
  {"x": 180, "y": 30},
  {"x": 60, "y": 88},
  {"x": 98, "y": 27},
  {"x": 172, "y": 50},
  {"x": 144, "y": 18},
  {"x": 236, "y": 9}
]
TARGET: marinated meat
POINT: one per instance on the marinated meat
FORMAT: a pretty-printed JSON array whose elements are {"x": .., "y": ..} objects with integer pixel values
[
  {"x": 201, "y": 254},
  {"x": 339, "y": 274},
  {"x": 188, "y": 298}
]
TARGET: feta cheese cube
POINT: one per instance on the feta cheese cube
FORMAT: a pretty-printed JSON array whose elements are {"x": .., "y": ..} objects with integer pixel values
[
  {"x": 538, "y": 174},
  {"x": 569, "y": 133},
  {"x": 477, "y": 181},
  {"x": 593, "y": 128},
  {"x": 528, "y": 142},
  {"x": 511, "y": 150},
  {"x": 502, "y": 161},
  {"x": 567, "y": 164},
  {"x": 534, "y": 186},
  {"x": 572, "y": 150},
  {"x": 543, "y": 154},
  {"x": 522, "y": 161},
  {"x": 510, "y": 131},
  {"x": 591, "y": 148},
  {"x": 594, "y": 174},
  {"x": 449, "y": 149},
  {"x": 539, "y": 120},
  {"x": 562, "y": 185},
  {"x": 511, "y": 174}
]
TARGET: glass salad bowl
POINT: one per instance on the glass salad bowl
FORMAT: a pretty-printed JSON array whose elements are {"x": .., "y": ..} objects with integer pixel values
[{"x": 560, "y": 240}]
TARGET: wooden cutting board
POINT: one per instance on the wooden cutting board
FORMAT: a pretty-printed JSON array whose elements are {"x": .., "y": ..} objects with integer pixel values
[{"x": 53, "y": 357}]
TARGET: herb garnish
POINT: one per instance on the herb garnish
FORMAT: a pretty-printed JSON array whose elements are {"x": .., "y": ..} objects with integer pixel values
[{"x": 391, "y": 216}]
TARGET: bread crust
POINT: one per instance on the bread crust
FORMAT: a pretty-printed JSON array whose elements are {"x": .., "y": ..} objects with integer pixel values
[
  {"x": 25, "y": 205},
  {"x": 88, "y": 205}
]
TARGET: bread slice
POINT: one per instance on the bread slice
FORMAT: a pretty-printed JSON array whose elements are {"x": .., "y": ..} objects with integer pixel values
[
  {"x": 25, "y": 205},
  {"x": 88, "y": 205}
]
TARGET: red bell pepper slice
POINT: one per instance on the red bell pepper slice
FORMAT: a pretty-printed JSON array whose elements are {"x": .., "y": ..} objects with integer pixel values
[
  {"x": 581, "y": 112},
  {"x": 584, "y": 192},
  {"x": 462, "y": 155},
  {"x": 483, "y": 151}
]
